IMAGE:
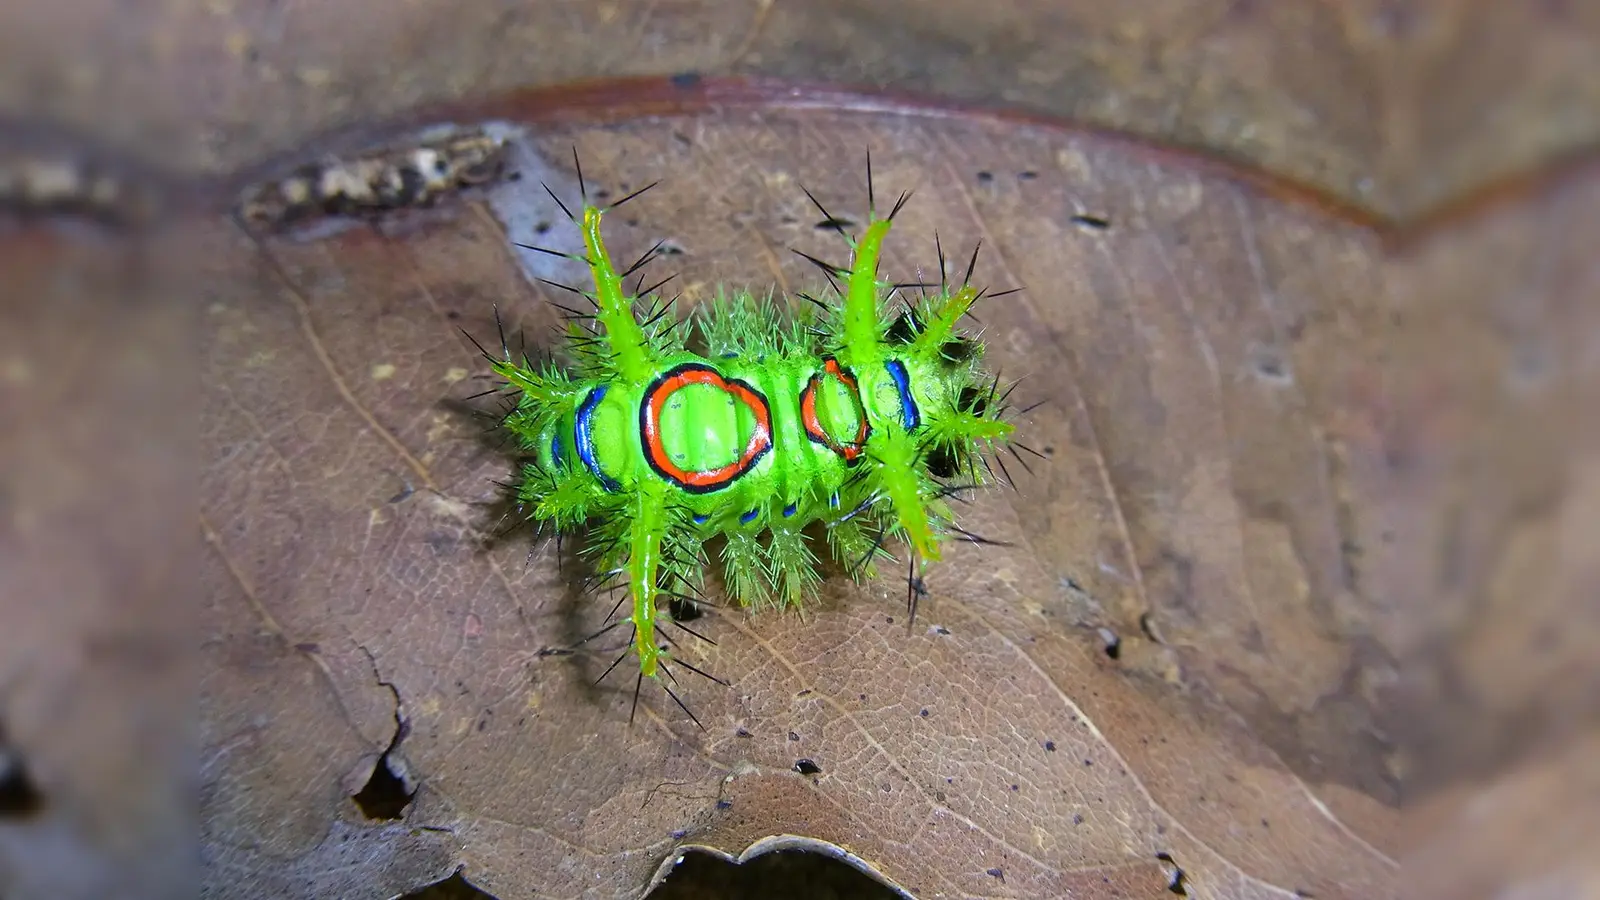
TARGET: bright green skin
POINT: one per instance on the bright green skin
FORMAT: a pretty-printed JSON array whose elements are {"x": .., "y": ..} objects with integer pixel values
[
  {"x": 711, "y": 430},
  {"x": 651, "y": 530}
]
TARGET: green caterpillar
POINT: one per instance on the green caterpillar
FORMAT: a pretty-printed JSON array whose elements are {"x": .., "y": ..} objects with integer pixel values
[{"x": 853, "y": 414}]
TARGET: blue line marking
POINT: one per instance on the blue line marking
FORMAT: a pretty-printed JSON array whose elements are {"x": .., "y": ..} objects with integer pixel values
[
  {"x": 584, "y": 438},
  {"x": 833, "y": 500},
  {"x": 909, "y": 417},
  {"x": 788, "y": 511},
  {"x": 749, "y": 517},
  {"x": 555, "y": 450},
  {"x": 701, "y": 520}
]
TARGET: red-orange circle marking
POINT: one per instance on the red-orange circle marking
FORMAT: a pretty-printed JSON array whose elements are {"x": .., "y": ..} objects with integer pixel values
[
  {"x": 813, "y": 426},
  {"x": 701, "y": 482}
]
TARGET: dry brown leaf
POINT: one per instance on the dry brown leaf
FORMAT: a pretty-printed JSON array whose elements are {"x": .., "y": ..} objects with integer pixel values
[
  {"x": 1493, "y": 505},
  {"x": 1396, "y": 107},
  {"x": 1200, "y": 355},
  {"x": 95, "y": 571},
  {"x": 1458, "y": 487}
]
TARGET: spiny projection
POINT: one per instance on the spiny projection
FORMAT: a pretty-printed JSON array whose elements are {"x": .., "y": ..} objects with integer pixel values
[{"x": 863, "y": 411}]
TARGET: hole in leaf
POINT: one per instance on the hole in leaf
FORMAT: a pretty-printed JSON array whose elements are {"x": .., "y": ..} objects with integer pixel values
[
  {"x": 1176, "y": 884},
  {"x": 807, "y": 767},
  {"x": 453, "y": 888},
  {"x": 385, "y": 796},
  {"x": 779, "y": 875},
  {"x": 19, "y": 796},
  {"x": 388, "y": 790},
  {"x": 1111, "y": 642},
  {"x": 1270, "y": 365}
]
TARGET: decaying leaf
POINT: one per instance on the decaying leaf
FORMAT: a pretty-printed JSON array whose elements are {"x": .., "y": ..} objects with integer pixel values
[
  {"x": 1314, "y": 541},
  {"x": 1198, "y": 339}
]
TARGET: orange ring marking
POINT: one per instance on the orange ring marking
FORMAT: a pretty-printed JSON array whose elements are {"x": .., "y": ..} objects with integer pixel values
[
  {"x": 710, "y": 480},
  {"x": 813, "y": 426}
]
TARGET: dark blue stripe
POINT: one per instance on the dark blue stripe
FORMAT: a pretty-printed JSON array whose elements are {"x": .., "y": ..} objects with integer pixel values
[
  {"x": 555, "y": 450},
  {"x": 701, "y": 520},
  {"x": 833, "y": 500},
  {"x": 585, "y": 439},
  {"x": 788, "y": 511},
  {"x": 909, "y": 417},
  {"x": 749, "y": 517}
]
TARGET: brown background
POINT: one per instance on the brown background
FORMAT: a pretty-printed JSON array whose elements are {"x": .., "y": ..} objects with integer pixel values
[{"x": 1437, "y": 458}]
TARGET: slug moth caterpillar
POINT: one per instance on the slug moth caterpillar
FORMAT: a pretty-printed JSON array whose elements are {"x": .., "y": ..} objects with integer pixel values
[{"x": 864, "y": 412}]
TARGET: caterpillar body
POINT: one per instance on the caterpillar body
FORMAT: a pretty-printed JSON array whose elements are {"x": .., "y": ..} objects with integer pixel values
[{"x": 863, "y": 413}]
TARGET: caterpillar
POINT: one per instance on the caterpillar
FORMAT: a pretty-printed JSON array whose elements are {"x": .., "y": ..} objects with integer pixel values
[{"x": 863, "y": 413}]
